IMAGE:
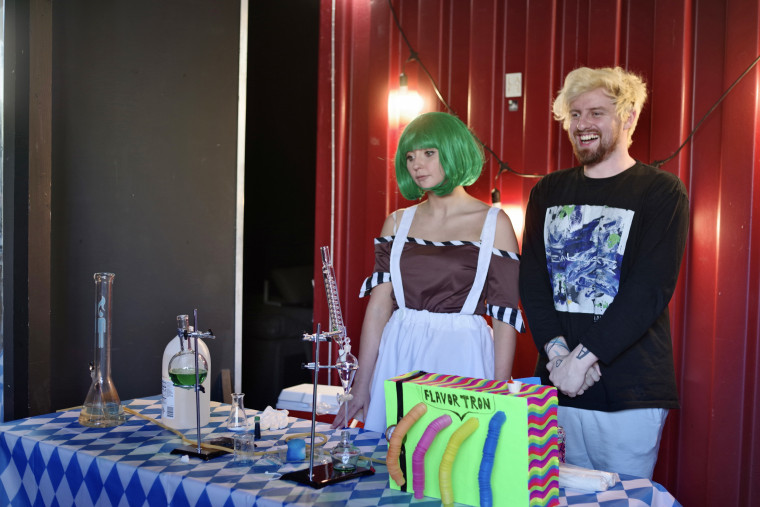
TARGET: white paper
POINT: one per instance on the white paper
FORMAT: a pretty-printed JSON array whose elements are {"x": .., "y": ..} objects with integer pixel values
[{"x": 584, "y": 479}]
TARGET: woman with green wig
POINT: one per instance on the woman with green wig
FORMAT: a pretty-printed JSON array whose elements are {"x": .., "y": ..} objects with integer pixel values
[{"x": 441, "y": 266}]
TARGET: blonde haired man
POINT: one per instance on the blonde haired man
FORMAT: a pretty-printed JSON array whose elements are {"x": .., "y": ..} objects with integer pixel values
[{"x": 602, "y": 248}]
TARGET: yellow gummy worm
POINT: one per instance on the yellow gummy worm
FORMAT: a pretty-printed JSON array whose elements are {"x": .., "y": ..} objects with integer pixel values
[
  {"x": 447, "y": 461},
  {"x": 394, "y": 446}
]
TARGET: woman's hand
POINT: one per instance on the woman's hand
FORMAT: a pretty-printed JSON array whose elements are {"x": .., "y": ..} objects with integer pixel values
[
  {"x": 376, "y": 317},
  {"x": 358, "y": 404}
]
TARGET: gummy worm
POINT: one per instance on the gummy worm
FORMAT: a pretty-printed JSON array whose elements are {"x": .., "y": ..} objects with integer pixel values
[
  {"x": 447, "y": 461},
  {"x": 394, "y": 446},
  {"x": 418, "y": 458},
  {"x": 489, "y": 452}
]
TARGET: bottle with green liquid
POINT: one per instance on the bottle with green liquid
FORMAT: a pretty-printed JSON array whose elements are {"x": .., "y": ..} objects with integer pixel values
[{"x": 178, "y": 380}]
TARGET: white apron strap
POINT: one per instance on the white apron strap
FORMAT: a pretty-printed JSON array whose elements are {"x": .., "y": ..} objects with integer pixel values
[
  {"x": 398, "y": 246},
  {"x": 484, "y": 260}
]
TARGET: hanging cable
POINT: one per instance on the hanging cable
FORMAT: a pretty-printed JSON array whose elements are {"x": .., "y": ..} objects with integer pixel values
[
  {"x": 414, "y": 57},
  {"x": 503, "y": 166},
  {"x": 658, "y": 163}
]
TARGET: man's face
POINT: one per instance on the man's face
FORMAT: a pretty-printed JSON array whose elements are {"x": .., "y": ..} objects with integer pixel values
[{"x": 595, "y": 130}]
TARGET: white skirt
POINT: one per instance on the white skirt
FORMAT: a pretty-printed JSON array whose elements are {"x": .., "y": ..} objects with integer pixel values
[{"x": 446, "y": 343}]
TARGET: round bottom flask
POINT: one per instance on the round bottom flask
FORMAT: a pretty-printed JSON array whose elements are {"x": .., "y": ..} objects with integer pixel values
[{"x": 182, "y": 369}]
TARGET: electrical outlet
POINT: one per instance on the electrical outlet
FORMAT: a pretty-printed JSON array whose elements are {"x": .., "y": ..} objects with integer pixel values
[{"x": 513, "y": 86}]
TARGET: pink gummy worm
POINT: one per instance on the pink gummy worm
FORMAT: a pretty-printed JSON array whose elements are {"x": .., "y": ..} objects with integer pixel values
[{"x": 418, "y": 458}]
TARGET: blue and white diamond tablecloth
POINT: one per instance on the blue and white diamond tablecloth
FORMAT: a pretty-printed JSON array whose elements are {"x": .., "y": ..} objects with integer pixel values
[{"x": 52, "y": 460}]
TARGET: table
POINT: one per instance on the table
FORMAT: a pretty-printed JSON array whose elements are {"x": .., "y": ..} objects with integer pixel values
[{"x": 53, "y": 460}]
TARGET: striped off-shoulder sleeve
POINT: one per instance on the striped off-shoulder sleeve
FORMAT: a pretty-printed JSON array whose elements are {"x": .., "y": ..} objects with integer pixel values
[
  {"x": 382, "y": 271},
  {"x": 502, "y": 291}
]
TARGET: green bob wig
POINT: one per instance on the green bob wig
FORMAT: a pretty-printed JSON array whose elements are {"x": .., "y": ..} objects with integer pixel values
[{"x": 460, "y": 154}]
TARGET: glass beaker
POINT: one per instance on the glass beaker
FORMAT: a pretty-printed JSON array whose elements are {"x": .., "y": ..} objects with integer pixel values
[
  {"x": 102, "y": 407},
  {"x": 237, "y": 421},
  {"x": 345, "y": 455},
  {"x": 244, "y": 449}
]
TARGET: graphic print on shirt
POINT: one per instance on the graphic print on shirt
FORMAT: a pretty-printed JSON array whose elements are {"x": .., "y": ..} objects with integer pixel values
[{"x": 584, "y": 251}]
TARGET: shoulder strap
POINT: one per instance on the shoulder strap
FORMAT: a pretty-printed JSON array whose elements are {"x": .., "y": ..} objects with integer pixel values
[
  {"x": 398, "y": 246},
  {"x": 487, "y": 236}
]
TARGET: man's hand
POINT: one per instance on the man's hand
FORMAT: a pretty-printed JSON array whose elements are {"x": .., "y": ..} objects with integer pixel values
[
  {"x": 593, "y": 374},
  {"x": 557, "y": 346},
  {"x": 575, "y": 372},
  {"x": 555, "y": 362}
]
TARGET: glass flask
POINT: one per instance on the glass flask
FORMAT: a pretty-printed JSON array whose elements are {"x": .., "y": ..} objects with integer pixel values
[
  {"x": 182, "y": 367},
  {"x": 102, "y": 407},
  {"x": 237, "y": 420},
  {"x": 346, "y": 370},
  {"x": 345, "y": 455}
]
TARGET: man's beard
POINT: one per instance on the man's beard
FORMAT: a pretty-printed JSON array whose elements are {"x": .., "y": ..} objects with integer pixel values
[{"x": 590, "y": 157}]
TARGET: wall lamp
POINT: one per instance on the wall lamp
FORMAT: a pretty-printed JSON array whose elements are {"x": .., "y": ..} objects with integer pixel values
[{"x": 403, "y": 105}]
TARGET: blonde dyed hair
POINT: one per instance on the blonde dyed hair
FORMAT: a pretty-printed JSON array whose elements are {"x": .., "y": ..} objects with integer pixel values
[{"x": 626, "y": 89}]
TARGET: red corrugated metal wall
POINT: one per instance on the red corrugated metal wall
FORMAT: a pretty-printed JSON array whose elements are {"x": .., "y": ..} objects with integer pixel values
[{"x": 689, "y": 52}]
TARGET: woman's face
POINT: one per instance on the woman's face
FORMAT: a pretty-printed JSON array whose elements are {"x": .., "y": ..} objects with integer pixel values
[{"x": 425, "y": 168}]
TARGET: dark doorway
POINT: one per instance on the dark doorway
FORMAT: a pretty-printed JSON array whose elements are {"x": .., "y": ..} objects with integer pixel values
[{"x": 283, "y": 40}]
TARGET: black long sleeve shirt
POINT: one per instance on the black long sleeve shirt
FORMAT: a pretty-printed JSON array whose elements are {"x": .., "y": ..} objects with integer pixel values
[{"x": 599, "y": 265}]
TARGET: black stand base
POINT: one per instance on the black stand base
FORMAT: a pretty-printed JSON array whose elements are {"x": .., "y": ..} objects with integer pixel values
[
  {"x": 192, "y": 451},
  {"x": 324, "y": 475}
]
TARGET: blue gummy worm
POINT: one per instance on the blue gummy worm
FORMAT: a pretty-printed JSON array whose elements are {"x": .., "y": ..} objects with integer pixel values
[{"x": 489, "y": 452}]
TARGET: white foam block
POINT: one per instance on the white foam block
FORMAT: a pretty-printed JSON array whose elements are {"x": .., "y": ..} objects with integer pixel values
[{"x": 300, "y": 398}]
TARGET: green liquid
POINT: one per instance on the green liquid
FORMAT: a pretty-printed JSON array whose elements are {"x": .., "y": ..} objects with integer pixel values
[{"x": 185, "y": 377}]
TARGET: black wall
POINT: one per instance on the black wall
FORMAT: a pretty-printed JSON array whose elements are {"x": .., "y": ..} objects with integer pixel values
[{"x": 145, "y": 98}]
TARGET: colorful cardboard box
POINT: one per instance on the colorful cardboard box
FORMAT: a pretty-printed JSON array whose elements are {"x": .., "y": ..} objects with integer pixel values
[{"x": 526, "y": 461}]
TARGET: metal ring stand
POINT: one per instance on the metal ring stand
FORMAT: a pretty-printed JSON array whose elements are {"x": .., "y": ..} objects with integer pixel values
[
  {"x": 321, "y": 475},
  {"x": 189, "y": 450}
]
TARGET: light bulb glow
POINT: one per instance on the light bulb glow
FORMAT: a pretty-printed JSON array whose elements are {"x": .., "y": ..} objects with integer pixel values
[
  {"x": 517, "y": 216},
  {"x": 403, "y": 106}
]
